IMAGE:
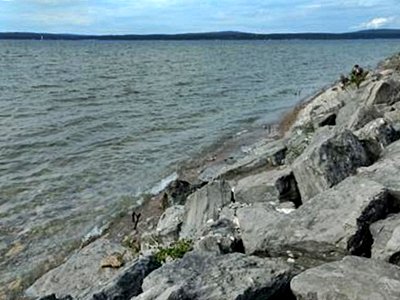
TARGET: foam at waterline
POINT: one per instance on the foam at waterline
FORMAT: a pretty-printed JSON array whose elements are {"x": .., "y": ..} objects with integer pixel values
[{"x": 164, "y": 183}]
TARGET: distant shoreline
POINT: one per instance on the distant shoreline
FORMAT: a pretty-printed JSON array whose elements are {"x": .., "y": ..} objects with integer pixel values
[{"x": 226, "y": 35}]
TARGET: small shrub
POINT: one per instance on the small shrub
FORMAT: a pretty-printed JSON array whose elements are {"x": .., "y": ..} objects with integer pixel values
[{"x": 175, "y": 251}]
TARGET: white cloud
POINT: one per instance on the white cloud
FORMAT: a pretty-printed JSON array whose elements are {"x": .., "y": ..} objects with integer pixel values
[{"x": 376, "y": 23}]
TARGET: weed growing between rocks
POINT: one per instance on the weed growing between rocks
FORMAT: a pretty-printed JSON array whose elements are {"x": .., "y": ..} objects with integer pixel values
[{"x": 175, "y": 251}]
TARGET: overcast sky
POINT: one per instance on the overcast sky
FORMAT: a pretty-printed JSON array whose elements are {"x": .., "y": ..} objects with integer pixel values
[{"x": 176, "y": 16}]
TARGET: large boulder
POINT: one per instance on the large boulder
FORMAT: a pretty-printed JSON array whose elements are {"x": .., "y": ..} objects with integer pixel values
[
  {"x": 81, "y": 273},
  {"x": 170, "y": 223},
  {"x": 361, "y": 116},
  {"x": 386, "y": 170},
  {"x": 330, "y": 225},
  {"x": 129, "y": 283},
  {"x": 375, "y": 136},
  {"x": 331, "y": 157},
  {"x": 351, "y": 278},
  {"x": 384, "y": 91},
  {"x": 204, "y": 206},
  {"x": 321, "y": 107},
  {"x": 201, "y": 276},
  {"x": 273, "y": 185},
  {"x": 386, "y": 235}
]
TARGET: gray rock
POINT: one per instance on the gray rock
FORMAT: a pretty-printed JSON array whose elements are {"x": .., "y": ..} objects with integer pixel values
[
  {"x": 375, "y": 136},
  {"x": 129, "y": 283},
  {"x": 322, "y": 106},
  {"x": 263, "y": 156},
  {"x": 272, "y": 185},
  {"x": 382, "y": 92},
  {"x": 330, "y": 225},
  {"x": 177, "y": 192},
  {"x": 81, "y": 273},
  {"x": 201, "y": 276},
  {"x": 330, "y": 158},
  {"x": 204, "y": 206},
  {"x": 386, "y": 170},
  {"x": 170, "y": 223},
  {"x": 386, "y": 235},
  {"x": 362, "y": 116},
  {"x": 298, "y": 141},
  {"x": 351, "y": 278},
  {"x": 220, "y": 237}
]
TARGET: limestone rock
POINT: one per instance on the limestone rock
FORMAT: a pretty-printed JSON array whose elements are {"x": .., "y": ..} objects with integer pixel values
[
  {"x": 330, "y": 225},
  {"x": 386, "y": 235},
  {"x": 272, "y": 185},
  {"x": 204, "y": 206},
  {"x": 80, "y": 274},
  {"x": 351, "y": 278},
  {"x": 383, "y": 92},
  {"x": 201, "y": 276},
  {"x": 115, "y": 260},
  {"x": 375, "y": 136},
  {"x": 330, "y": 158},
  {"x": 129, "y": 283},
  {"x": 169, "y": 225}
]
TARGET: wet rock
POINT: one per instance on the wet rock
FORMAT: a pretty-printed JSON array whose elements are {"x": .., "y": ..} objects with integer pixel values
[
  {"x": 375, "y": 136},
  {"x": 204, "y": 206},
  {"x": 199, "y": 276},
  {"x": 351, "y": 278},
  {"x": 129, "y": 283},
  {"x": 330, "y": 225},
  {"x": 330, "y": 158},
  {"x": 386, "y": 235},
  {"x": 263, "y": 156},
  {"x": 80, "y": 274},
  {"x": 273, "y": 185}
]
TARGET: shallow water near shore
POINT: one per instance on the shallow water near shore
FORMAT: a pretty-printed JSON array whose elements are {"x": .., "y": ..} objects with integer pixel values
[{"x": 88, "y": 126}]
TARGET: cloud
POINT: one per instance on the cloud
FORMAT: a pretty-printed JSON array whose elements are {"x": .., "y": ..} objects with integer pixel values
[{"x": 376, "y": 23}]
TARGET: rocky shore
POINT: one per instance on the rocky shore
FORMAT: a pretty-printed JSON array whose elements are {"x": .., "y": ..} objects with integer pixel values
[{"x": 310, "y": 214}]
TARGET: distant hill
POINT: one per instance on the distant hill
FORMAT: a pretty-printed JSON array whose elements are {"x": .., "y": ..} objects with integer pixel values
[{"x": 225, "y": 35}]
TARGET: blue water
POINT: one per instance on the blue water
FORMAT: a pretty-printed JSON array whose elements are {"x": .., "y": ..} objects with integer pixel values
[{"x": 88, "y": 125}]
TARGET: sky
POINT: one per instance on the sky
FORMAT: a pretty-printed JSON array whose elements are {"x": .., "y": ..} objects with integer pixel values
[{"x": 179, "y": 16}]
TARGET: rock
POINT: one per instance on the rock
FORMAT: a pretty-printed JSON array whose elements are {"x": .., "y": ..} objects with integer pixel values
[
  {"x": 297, "y": 142},
  {"x": 383, "y": 92},
  {"x": 220, "y": 237},
  {"x": 129, "y": 283},
  {"x": 53, "y": 297},
  {"x": 386, "y": 170},
  {"x": 362, "y": 116},
  {"x": 330, "y": 225},
  {"x": 170, "y": 223},
  {"x": 375, "y": 136},
  {"x": 80, "y": 274},
  {"x": 272, "y": 185},
  {"x": 263, "y": 156},
  {"x": 386, "y": 235},
  {"x": 202, "y": 276},
  {"x": 204, "y": 206},
  {"x": 351, "y": 278},
  {"x": 330, "y": 158},
  {"x": 323, "y": 106},
  {"x": 176, "y": 193},
  {"x": 115, "y": 260}
]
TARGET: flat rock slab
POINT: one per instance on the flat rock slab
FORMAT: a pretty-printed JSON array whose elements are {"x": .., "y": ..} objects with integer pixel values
[
  {"x": 200, "y": 276},
  {"x": 353, "y": 278},
  {"x": 81, "y": 273},
  {"x": 329, "y": 226}
]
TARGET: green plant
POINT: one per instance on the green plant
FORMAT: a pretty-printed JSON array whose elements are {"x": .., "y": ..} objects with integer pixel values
[{"x": 175, "y": 251}]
